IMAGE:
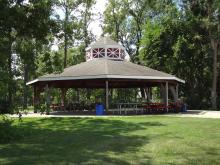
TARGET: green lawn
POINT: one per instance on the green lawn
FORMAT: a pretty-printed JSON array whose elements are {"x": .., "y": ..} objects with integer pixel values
[{"x": 120, "y": 140}]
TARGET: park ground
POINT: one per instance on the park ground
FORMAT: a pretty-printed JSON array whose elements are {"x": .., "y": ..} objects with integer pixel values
[{"x": 114, "y": 140}]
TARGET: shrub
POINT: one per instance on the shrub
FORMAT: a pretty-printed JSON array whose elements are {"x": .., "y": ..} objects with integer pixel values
[
  {"x": 45, "y": 108},
  {"x": 8, "y": 132},
  {"x": 4, "y": 107}
]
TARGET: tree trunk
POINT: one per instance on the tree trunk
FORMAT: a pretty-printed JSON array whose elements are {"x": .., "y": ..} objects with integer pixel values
[
  {"x": 25, "y": 86},
  {"x": 85, "y": 28},
  {"x": 174, "y": 93},
  {"x": 88, "y": 94},
  {"x": 65, "y": 36},
  {"x": 163, "y": 93},
  {"x": 214, "y": 45},
  {"x": 106, "y": 95},
  {"x": 142, "y": 93},
  {"x": 10, "y": 75},
  {"x": 36, "y": 100},
  {"x": 65, "y": 51},
  {"x": 63, "y": 96},
  {"x": 77, "y": 95}
]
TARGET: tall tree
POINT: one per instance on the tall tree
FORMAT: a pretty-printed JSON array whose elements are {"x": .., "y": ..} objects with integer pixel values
[
  {"x": 114, "y": 16},
  {"x": 208, "y": 13},
  {"x": 21, "y": 23},
  {"x": 125, "y": 19},
  {"x": 86, "y": 20},
  {"x": 177, "y": 42},
  {"x": 68, "y": 24},
  {"x": 8, "y": 16},
  {"x": 214, "y": 34}
]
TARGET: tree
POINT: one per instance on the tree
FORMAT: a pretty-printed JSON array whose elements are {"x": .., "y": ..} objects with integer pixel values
[
  {"x": 214, "y": 34},
  {"x": 208, "y": 12},
  {"x": 68, "y": 24},
  {"x": 177, "y": 43},
  {"x": 125, "y": 19},
  {"x": 86, "y": 13},
  {"x": 23, "y": 25},
  {"x": 8, "y": 13}
]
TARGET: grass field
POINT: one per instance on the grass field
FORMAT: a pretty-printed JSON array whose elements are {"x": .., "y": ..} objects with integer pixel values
[{"x": 120, "y": 140}]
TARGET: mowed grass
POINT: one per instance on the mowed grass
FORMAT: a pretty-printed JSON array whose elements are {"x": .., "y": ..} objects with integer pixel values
[{"x": 117, "y": 140}]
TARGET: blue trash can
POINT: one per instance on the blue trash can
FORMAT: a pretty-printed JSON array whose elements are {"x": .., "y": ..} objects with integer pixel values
[
  {"x": 184, "y": 108},
  {"x": 99, "y": 109}
]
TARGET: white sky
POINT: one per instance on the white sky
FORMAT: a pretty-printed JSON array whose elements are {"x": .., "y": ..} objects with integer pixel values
[
  {"x": 97, "y": 11},
  {"x": 95, "y": 25}
]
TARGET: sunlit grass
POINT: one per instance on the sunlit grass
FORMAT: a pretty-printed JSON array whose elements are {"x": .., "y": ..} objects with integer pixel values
[{"x": 127, "y": 140}]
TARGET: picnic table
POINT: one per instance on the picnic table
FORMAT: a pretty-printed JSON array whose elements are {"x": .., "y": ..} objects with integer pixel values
[
  {"x": 128, "y": 107},
  {"x": 160, "y": 107}
]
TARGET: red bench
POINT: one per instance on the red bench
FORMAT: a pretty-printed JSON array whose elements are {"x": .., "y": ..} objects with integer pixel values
[{"x": 159, "y": 107}]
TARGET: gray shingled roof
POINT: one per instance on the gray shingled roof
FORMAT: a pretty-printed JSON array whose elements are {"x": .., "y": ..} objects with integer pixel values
[
  {"x": 102, "y": 41},
  {"x": 103, "y": 68}
]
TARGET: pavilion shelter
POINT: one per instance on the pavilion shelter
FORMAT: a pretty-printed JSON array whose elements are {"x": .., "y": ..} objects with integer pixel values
[{"x": 106, "y": 68}]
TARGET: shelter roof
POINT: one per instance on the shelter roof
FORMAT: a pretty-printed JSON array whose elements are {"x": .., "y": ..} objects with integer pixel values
[{"x": 107, "y": 69}]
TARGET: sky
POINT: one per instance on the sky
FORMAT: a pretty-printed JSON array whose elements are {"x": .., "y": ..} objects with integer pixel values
[
  {"x": 97, "y": 9},
  {"x": 95, "y": 26}
]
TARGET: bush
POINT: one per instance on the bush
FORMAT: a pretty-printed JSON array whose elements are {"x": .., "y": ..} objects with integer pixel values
[
  {"x": 4, "y": 107},
  {"x": 45, "y": 108},
  {"x": 8, "y": 132}
]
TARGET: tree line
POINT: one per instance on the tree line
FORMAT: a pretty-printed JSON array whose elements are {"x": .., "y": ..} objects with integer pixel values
[{"x": 180, "y": 37}]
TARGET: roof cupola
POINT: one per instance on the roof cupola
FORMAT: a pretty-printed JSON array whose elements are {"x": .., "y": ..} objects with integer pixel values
[{"x": 105, "y": 47}]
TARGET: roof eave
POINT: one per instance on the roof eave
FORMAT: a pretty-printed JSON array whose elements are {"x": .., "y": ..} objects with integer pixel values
[
  {"x": 32, "y": 82},
  {"x": 105, "y": 76}
]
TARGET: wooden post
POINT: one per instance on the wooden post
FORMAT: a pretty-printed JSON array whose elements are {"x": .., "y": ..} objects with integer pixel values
[
  {"x": 63, "y": 96},
  {"x": 48, "y": 101},
  {"x": 177, "y": 91},
  {"x": 148, "y": 94},
  {"x": 167, "y": 94},
  {"x": 173, "y": 92},
  {"x": 36, "y": 99},
  {"x": 77, "y": 95},
  {"x": 163, "y": 93},
  {"x": 48, "y": 95},
  {"x": 106, "y": 95}
]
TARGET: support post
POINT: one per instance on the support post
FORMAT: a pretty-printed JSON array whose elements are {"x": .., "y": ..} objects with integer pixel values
[
  {"x": 173, "y": 92},
  {"x": 36, "y": 99},
  {"x": 77, "y": 95},
  {"x": 48, "y": 100},
  {"x": 148, "y": 94},
  {"x": 48, "y": 95},
  {"x": 167, "y": 94},
  {"x": 163, "y": 93},
  {"x": 177, "y": 91},
  {"x": 106, "y": 95},
  {"x": 143, "y": 93},
  {"x": 63, "y": 96}
]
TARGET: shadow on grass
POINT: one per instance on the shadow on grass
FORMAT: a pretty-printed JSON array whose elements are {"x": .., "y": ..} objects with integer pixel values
[{"x": 75, "y": 141}]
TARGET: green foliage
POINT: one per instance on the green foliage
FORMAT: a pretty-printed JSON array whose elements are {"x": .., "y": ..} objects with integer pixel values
[
  {"x": 8, "y": 131},
  {"x": 125, "y": 20},
  {"x": 74, "y": 26},
  {"x": 76, "y": 55},
  {"x": 24, "y": 28},
  {"x": 179, "y": 46},
  {"x": 44, "y": 108}
]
